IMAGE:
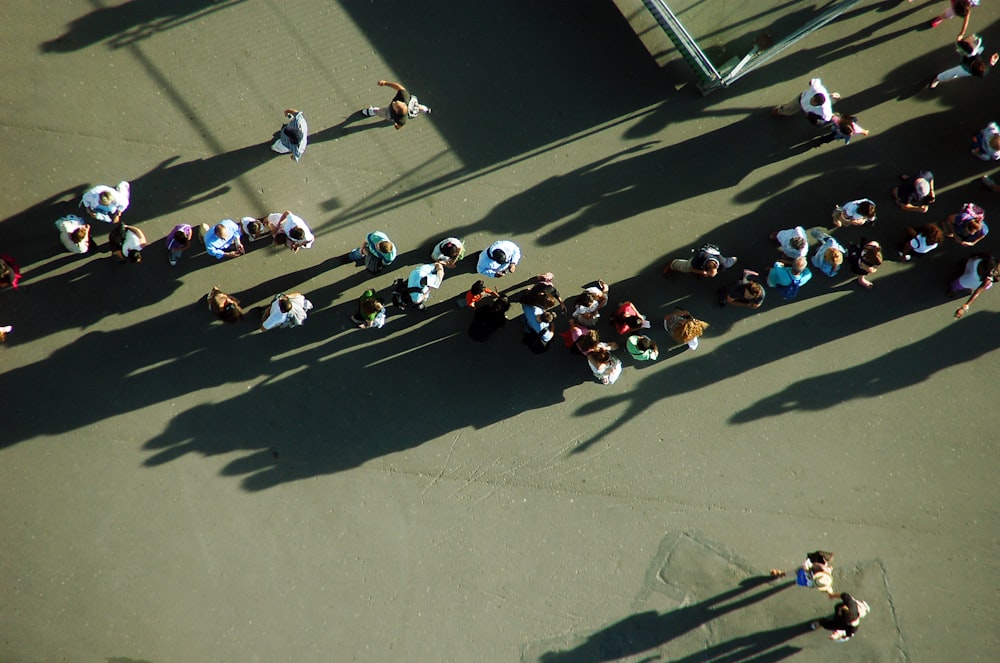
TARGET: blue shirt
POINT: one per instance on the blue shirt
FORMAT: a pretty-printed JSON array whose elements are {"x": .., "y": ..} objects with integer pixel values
[{"x": 217, "y": 247}]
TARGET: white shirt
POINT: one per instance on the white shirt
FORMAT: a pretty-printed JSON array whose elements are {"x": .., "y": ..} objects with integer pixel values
[{"x": 67, "y": 226}]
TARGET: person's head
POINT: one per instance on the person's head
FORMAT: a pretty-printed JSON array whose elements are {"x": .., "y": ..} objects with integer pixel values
[
  {"x": 588, "y": 341},
  {"x": 994, "y": 142},
  {"x": 818, "y": 99},
  {"x": 293, "y": 134},
  {"x": 106, "y": 198},
  {"x": 499, "y": 256},
  {"x": 6, "y": 274},
  {"x": 690, "y": 329},
  {"x": 371, "y": 305},
  {"x": 400, "y": 113},
  {"x": 135, "y": 256},
  {"x": 712, "y": 263},
  {"x": 180, "y": 238},
  {"x": 585, "y": 300},
  {"x": 547, "y": 318},
  {"x": 450, "y": 250},
  {"x": 798, "y": 242},
  {"x": 753, "y": 290},
  {"x": 867, "y": 209},
  {"x": 255, "y": 227},
  {"x": 644, "y": 343},
  {"x": 799, "y": 266},
  {"x": 833, "y": 256},
  {"x": 601, "y": 354},
  {"x": 78, "y": 235},
  {"x": 872, "y": 255},
  {"x": 221, "y": 231},
  {"x": 297, "y": 233},
  {"x": 978, "y": 67},
  {"x": 922, "y": 187},
  {"x": 284, "y": 303},
  {"x": 932, "y": 233},
  {"x": 384, "y": 247},
  {"x": 478, "y": 287},
  {"x": 972, "y": 225}
]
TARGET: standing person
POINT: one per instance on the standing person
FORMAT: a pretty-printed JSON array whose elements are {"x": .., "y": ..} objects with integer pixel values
[
  {"x": 178, "y": 241},
  {"x": 289, "y": 310},
  {"x": 842, "y": 127},
  {"x": 402, "y": 107},
  {"x": 371, "y": 311},
  {"x": 916, "y": 193},
  {"x": 847, "y": 616},
  {"x": 587, "y": 305},
  {"x": 706, "y": 261},
  {"x": 448, "y": 252},
  {"x": 10, "y": 272},
  {"x": 421, "y": 281},
  {"x": 864, "y": 258},
  {"x": 855, "y": 213},
  {"x": 920, "y": 240},
  {"x": 477, "y": 293},
  {"x": 972, "y": 63},
  {"x": 792, "y": 243},
  {"x": 968, "y": 227},
  {"x": 223, "y": 240},
  {"x": 225, "y": 307},
  {"x": 293, "y": 136},
  {"x": 955, "y": 8},
  {"x": 627, "y": 319},
  {"x": 376, "y": 253},
  {"x": 499, "y": 259},
  {"x": 829, "y": 256},
  {"x": 980, "y": 273},
  {"x": 127, "y": 243},
  {"x": 641, "y": 348},
  {"x": 745, "y": 292},
  {"x": 986, "y": 144},
  {"x": 254, "y": 228},
  {"x": 290, "y": 230},
  {"x": 74, "y": 233},
  {"x": 816, "y": 103},
  {"x": 816, "y": 572},
  {"x": 787, "y": 279},
  {"x": 605, "y": 366},
  {"x": 106, "y": 204},
  {"x": 684, "y": 327},
  {"x": 535, "y": 303}
]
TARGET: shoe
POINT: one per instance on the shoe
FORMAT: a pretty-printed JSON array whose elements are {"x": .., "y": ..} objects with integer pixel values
[
  {"x": 369, "y": 112},
  {"x": 427, "y": 110},
  {"x": 667, "y": 270},
  {"x": 728, "y": 262},
  {"x": 934, "y": 83},
  {"x": 813, "y": 626},
  {"x": 987, "y": 182},
  {"x": 905, "y": 257},
  {"x": 172, "y": 260},
  {"x": 937, "y": 21},
  {"x": 720, "y": 295},
  {"x": 835, "y": 96}
]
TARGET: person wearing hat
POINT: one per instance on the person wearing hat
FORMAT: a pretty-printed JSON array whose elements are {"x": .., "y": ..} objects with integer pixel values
[
  {"x": 916, "y": 193},
  {"x": 293, "y": 136},
  {"x": 422, "y": 280},
  {"x": 402, "y": 107},
  {"x": 499, "y": 259}
]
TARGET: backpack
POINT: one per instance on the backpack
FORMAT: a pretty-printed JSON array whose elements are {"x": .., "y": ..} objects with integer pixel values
[{"x": 706, "y": 252}]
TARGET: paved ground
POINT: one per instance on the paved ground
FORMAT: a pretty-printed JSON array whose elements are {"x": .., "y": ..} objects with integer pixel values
[{"x": 175, "y": 490}]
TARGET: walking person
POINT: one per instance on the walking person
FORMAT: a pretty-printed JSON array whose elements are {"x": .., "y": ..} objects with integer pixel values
[
  {"x": 829, "y": 256},
  {"x": 371, "y": 311},
  {"x": 854, "y": 213},
  {"x": 448, "y": 252},
  {"x": 376, "y": 253},
  {"x": 972, "y": 63},
  {"x": 421, "y": 281},
  {"x": 864, "y": 258},
  {"x": 225, "y": 307},
  {"x": 499, "y": 259},
  {"x": 10, "y": 272},
  {"x": 962, "y": 8},
  {"x": 847, "y": 616},
  {"x": 178, "y": 241},
  {"x": 293, "y": 136},
  {"x": 986, "y": 143},
  {"x": 787, "y": 279},
  {"x": 816, "y": 572},
  {"x": 916, "y": 193},
  {"x": 706, "y": 261},
  {"x": 816, "y": 103},
  {"x": 968, "y": 227},
  {"x": 223, "y": 240},
  {"x": 684, "y": 327},
  {"x": 289, "y": 310},
  {"x": 842, "y": 127},
  {"x": 476, "y": 294},
  {"x": 74, "y": 233},
  {"x": 792, "y": 243},
  {"x": 605, "y": 366},
  {"x": 920, "y": 241},
  {"x": 402, "y": 107},
  {"x": 106, "y": 204},
  {"x": 746, "y": 292},
  {"x": 127, "y": 243},
  {"x": 981, "y": 271},
  {"x": 641, "y": 348}
]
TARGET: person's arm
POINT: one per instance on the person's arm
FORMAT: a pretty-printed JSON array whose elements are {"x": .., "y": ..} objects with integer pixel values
[
  {"x": 395, "y": 86},
  {"x": 975, "y": 293},
  {"x": 965, "y": 25}
]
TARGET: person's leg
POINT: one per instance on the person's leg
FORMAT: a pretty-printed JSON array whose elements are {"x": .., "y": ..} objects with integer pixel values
[
  {"x": 681, "y": 265},
  {"x": 791, "y": 108},
  {"x": 279, "y": 147},
  {"x": 950, "y": 75},
  {"x": 693, "y": 343},
  {"x": 355, "y": 254}
]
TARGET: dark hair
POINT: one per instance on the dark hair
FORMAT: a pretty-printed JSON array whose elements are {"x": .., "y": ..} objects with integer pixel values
[
  {"x": 601, "y": 354},
  {"x": 294, "y": 135},
  {"x": 962, "y": 7},
  {"x": 818, "y": 99},
  {"x": 231, "y": 311},
  {"x": 539, "y": 298},
  {"x": 867, "y": 208},
  {"x": 644, "y": 343},
  {"x": 978, "y": 68},
  {"x": 135, "y": 256},
  {"x": 932, "y": 233},
  {"x": 588, "y": 341},
  {"x": 499, "y": 255},
  {"x": 478, "y": 287},
  {"x": 181, "y": 238},
  {"x": 284, "y": 303},
  {"x": 755, "y": 289},
  {"x": 450, "y": 249},
  {"x": 798, "y": 242},
  {"x": 548, "y": 316},
  {"x": 79, "y": 234},
  {"x": 585, "y": 299},
  {"x": 297, "y": 233}
]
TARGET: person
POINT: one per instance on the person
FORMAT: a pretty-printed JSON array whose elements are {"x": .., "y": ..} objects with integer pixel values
[
  {"x": 223, "y": 239},
  {"x": 864, "y": 258},
  {"x": 986, "y": 143},
  {"x": 293, "y": 136},
  {"x": 538, "y": 320},
  {"x": 74, "y": 233},
  {"x": 544, "y": 283},
  {"x": 476, "y": 294},
  {"x": 225, "y": 307},
  {"x": 178, "y": 241},
  {"x": 106, "y": 204},
  {"x": 641, "y": 348},
  {"x": 254, "y": 228},
  {"x": 787, "y": 279},
  {"x": 842, "y": 127},
  {"x": 684, "y": 328},
  {"x": 587, "y": 305},
  {"x": 448, "y": 252},
  {"x": 402, "y": 107},
  {"x": 745, "y": 292},
  {"x": 4, "y": 330},
  {"x": 920, "y": 241},
  {"x": 706, "y": 261},
  {"x": 816, "y": 103},
  {"x": 604, "y": 365},
  {"x": 376, "y": 253},
  {"x": 627, "y": 319},
  {"x": 127, "y": 243},
  {"x": 968, "y": 227},
  {"x": 499, "y": 259},
  {"x": 915, "y": 194},
  {"x": 10, "y": 272},
  {"x": 980, "y": 273},
  {"x": 829, "y": 256},
  {"x": 421, "y": 281},
  {"x": 847, "y": 616},
  {"x": 792, "y": 243},
  {"x": 289, "y": 310},
  {"x": 371, "y": 311},
  {"x": 489, "y": 317},
  {"x": 972, "y": 63},
  {"x": 855, "y": 213},
  {"x": 816, "y": 572},
  {"x": 290, "y": 230},
  {"x": 955, "y": 8}
]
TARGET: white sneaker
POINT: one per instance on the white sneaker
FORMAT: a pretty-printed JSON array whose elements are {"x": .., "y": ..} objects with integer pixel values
[
  {"x": 6, "y": 330},
  {"x": 369, "y": 112}
]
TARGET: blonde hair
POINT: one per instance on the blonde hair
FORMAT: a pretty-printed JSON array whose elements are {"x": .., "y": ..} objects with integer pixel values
[
  {"x": 833, "y": 256},
  {"x": 683, "y": 327}
]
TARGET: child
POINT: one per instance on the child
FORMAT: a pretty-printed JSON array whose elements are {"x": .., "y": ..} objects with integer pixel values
[
  {"x": 371, "y": 311},
  {"x": 854, "y": 213},
  {"x": 642, "y": 348},
  {"x": 178, "y": 241},
  {"x": 864, "y": 259},
  {"x": 476, "y": 294},
  {"x": 627, "y": 319},
  {"x": 920, "y": 241}
]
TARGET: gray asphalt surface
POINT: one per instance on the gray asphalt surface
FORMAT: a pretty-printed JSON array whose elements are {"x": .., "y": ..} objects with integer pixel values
[{"x": 177, "y": 490}]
